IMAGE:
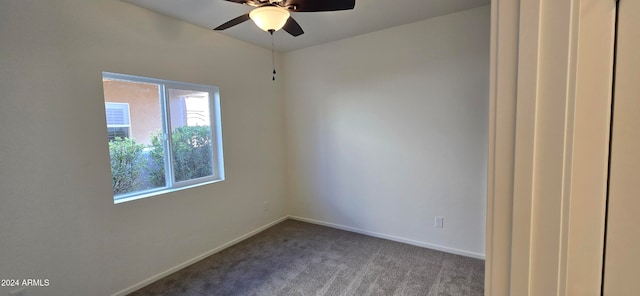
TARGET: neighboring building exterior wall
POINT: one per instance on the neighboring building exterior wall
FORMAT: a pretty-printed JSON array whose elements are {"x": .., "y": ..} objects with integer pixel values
[{"x": 144, "y": 106}]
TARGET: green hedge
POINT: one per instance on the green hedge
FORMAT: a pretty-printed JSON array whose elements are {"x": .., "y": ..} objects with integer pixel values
[
  {"x": 126, "y": 164},
  {"x": 133, "y": 170},
  {"x": 191, "y": 154}
]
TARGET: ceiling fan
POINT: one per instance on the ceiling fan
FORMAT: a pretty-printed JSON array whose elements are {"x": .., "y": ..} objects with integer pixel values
[{"x": 273, "y": 15}]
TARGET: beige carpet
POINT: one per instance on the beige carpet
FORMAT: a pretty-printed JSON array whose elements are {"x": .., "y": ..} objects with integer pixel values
[{"x": 296, "y": 258}]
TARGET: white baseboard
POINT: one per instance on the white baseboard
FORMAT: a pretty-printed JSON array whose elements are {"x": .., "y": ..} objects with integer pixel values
[
  {"x": 195, "y": 259},
  {"x": 393, "y": 238}
]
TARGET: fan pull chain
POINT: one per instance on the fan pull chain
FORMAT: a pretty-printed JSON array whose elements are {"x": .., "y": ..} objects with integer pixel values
[{"x": 273, "y": 56}]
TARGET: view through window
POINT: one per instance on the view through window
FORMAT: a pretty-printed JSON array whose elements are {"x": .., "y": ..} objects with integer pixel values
[{"x": 163, "y": 135}]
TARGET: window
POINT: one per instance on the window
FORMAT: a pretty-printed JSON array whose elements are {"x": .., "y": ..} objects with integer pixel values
[
  {"x": 162, "y": 135},
  {"x": 117, "y": 120}
]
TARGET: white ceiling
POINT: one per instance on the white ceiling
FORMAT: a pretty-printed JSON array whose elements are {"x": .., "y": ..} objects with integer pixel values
[{"x": 320, "y": 27}]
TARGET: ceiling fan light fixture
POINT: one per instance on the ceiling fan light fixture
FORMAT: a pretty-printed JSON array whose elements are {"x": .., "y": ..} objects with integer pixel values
[{"x": 270, "y": 17}]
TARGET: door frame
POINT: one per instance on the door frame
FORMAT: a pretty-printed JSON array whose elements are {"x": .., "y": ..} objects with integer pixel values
[{"x": 550, "y": 94}]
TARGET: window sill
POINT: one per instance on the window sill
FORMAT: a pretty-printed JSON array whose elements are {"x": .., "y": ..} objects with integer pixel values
[{"x": 161, "y": 192}]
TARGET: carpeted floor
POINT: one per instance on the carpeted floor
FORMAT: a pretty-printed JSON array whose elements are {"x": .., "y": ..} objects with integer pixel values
[{"x": 297, "y": 258}]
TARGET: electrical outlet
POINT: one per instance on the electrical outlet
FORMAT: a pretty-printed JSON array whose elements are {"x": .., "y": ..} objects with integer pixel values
[
  {"x": 266, "y": 206},
  {"x": 19, "y": 292},
  {"x": 439, "y": 222}
]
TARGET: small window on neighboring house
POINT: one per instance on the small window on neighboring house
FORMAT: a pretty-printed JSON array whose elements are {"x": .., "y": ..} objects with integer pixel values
[
  {"x": 117, "y": 120},
  {"x": 163, "y": 135}
]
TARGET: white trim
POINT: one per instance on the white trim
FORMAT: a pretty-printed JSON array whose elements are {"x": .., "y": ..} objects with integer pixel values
[
  {"x": 503, "y": 80},
  {"x": 525, "y": 145},
  {"x": 182, "y": 265},
  {"x": 392, "y": 238},
  {"x": 553, "y": 243},
  {"x": 159, "y": 191},
  {"x": 583, "y": 218}
]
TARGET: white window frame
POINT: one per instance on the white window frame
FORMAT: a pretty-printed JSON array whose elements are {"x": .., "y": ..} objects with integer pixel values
[{"x": 215, "y": 127}]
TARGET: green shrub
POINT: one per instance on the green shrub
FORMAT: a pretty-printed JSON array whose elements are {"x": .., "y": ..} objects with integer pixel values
[
  {"x": 156, "y": 161},
  {"x": 126, "y": 164},
  {"x": 191, "y": 154}
]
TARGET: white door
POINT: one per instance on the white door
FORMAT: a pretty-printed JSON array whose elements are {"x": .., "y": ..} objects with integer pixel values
[{"x": 622, "y": 254}]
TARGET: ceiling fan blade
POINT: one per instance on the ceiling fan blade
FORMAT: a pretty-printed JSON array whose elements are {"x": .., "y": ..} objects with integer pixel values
[
  {"x": 254, "y": 3},
  {"x": 319, "y": 5},
  {"x": 237, "y": 1},
  {"x": 292, "y": 27},
  {"x": 241, "y": 19}
]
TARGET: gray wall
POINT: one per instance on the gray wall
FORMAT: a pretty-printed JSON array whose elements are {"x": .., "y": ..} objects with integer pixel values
[
  {"x": 389, "y": 129},
  {"x": 57, "y": 217}
]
